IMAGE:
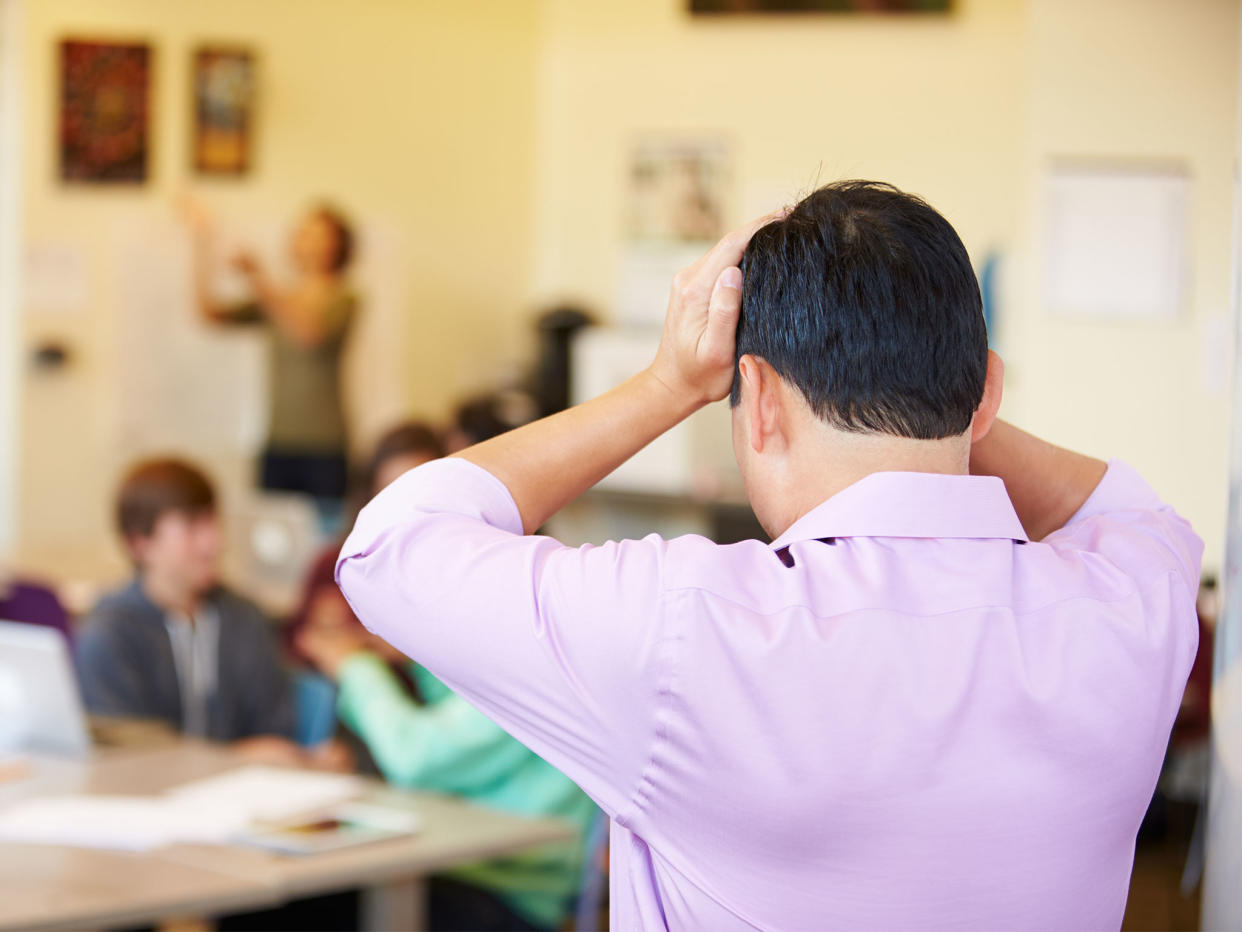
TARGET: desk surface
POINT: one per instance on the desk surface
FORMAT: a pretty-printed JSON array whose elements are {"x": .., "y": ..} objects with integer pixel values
[{"x": 50, "y": 887}]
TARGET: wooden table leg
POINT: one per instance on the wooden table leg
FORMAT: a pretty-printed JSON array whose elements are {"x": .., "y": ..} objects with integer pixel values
[{"x": 396, "y": 906}]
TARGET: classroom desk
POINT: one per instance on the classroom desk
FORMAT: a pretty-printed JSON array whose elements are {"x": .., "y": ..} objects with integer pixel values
[{"x": 47, "y": 887}]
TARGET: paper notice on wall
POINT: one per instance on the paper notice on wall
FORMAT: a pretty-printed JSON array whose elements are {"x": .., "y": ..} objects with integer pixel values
[
  {"x": 677, "y": 205},
  {"x": 1115, "y": 241},
  {"x": 54, "y": 278}
]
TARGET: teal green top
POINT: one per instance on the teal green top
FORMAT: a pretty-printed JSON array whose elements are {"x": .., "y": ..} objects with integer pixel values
[{"x": 447, "y": 746}]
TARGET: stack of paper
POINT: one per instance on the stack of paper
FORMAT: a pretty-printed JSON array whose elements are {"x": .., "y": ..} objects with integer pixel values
[
  {"x": 266, "y": 793},
  {"x": 208, "y": 811}
]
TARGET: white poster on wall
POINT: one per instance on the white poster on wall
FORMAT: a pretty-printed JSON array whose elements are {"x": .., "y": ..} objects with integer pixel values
[
  {"x": 184, "y": 384},
  {"x": 676, "y": 207},
  {"x": 1114, "y": 243}
]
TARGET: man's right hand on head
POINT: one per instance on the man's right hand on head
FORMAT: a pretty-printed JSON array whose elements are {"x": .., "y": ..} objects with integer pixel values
[{"x": 695, "y": 357}]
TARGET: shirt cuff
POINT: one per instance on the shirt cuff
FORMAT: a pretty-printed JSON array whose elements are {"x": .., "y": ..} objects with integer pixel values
[
  {"x": 1121, "y": 489},
  {"x": 444, "y": 486}
]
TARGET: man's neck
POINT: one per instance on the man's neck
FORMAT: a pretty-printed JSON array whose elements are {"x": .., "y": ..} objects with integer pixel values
[
  {"x": 831, "y": 460},
  {"x": 170, "y": 597}
]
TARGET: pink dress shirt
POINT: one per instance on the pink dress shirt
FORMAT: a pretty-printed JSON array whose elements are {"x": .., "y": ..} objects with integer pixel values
[{"x": 901, "y": 714}]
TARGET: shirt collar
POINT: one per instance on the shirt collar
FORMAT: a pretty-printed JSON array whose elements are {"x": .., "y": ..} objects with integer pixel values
[{"x": 912, "y": 504}]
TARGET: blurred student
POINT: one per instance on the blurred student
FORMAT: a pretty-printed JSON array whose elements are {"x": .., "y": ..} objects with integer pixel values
[
  {"x": 483, "y": 417},
  {"x": 322, "y": 607},
  {"x": 307, "y": 320},
  {"x": 427, "y": 738},
  {"x": 939, "y": 698},
  {"x": 31, "y": 602},
  {"x": 176, "y": 645}
]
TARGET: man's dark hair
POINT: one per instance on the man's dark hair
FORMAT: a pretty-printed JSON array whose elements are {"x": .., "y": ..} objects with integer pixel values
[
  {"x": 156, "y": 487},
  {"x": 864, "y": 298}
]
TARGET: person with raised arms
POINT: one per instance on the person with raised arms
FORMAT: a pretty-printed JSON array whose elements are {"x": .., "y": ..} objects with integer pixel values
[{"x": 939, "y": 697}]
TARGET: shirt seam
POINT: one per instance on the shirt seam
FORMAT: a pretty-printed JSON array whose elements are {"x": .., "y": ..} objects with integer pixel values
[
  {"x": 638, "y": 798},
  {"x": 668, "y": 647},
  {"x": 1137, "y": 590}
]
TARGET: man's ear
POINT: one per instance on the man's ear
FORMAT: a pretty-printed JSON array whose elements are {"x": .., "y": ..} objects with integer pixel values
[
  {"x": 763, "y": 403},
  {"x": 989, "y": 405}
]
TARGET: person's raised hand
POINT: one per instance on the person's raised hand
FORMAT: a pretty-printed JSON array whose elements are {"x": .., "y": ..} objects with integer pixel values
[
  {"x": 695, "y": 358},
  {"x": 197, "y": 215},
  {"x": 329, "y": 647}
]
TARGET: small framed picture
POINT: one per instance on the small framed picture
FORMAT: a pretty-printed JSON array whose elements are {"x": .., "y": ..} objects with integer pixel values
[
  {"x": 224, "y": 81},
  {"x": 678, "y": 189},
  {"x": 105, "y": 111}
]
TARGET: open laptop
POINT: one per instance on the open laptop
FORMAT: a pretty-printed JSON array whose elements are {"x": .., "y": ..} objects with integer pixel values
[{"x": 40, "y": 709}]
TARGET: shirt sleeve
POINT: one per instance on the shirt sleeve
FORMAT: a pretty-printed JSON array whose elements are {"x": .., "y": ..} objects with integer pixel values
[
  {"x": 1126, "y": 522},
  {"x": 563, "y": 647},
  {"x": 446, "y": 747}
]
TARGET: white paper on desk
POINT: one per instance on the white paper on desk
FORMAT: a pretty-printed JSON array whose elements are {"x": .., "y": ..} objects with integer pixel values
[
  {"x": 210, "y": 811},
  {"x": 128, "y": 823},
  {"x": 265, "y": 793}
]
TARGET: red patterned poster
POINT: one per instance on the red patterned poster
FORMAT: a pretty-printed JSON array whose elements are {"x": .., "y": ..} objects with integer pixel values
[{"x": 104, "y": 111}]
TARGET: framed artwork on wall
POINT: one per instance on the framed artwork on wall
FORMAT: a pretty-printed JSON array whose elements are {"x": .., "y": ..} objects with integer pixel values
[
  {"x": 678, "y": 200},
  {"x": 105, "y": 111},
  {"x": 820, "y": 6},
  {"x": 678, "y": 189},
  {"x": 224, "y": 80}
]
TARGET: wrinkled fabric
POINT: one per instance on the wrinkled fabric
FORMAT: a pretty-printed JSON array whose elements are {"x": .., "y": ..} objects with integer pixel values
[{"x": 899, "y": 714}]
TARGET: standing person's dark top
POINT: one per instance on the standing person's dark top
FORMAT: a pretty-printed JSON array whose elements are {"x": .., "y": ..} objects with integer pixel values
[{"x": 307, "y": 322}]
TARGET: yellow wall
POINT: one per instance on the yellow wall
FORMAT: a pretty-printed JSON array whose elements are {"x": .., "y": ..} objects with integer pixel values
[
  {"x": 417, "y": 116},
  {"x": 1136, "y": 79},
  {"x": 492, "y": 135},
  {"x": 966, "y": 111},
  {"x": 935, "y": 105}
]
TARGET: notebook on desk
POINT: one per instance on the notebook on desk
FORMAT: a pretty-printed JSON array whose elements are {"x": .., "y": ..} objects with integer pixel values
[{"x": 343, "y": 826}]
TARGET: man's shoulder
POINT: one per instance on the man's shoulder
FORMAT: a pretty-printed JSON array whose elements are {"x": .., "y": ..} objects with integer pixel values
[
  {"x": 1127, "y": 523},
  {"x": 122, "y": 619},
  {"x": 731, "y": 571},
  {"x": 118, "y": 608}
]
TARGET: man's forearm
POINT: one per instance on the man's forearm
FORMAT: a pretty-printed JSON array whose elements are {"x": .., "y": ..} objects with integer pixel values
[
  {"x": 1047, "y": 484},
  {"x": 547, "y": 464}
]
